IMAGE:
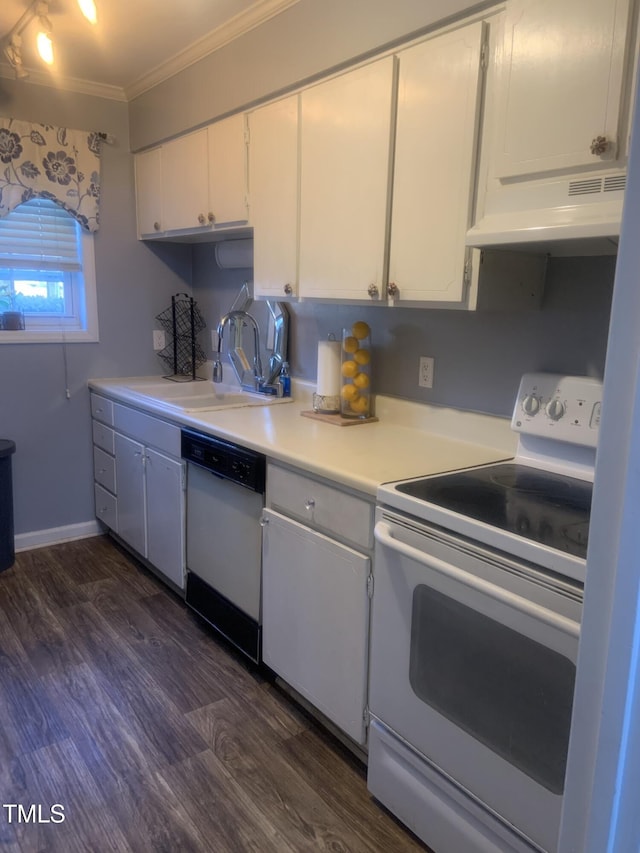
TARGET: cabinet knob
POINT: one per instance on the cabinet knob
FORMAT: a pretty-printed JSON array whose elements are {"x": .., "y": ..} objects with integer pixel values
[
  {"x": 288, "y": 290},
  {"x": 156, "y": 226},
  {"x": 599, "y": 145},
  {"x": 202, "y": 219},
  {"x": 393, "y": 289},
  {"x": 373, "y": 291},
  {"x": 211, "y": 217},
  {"x": 264, "y": 521},
  {"x": 309, "y": 504}
]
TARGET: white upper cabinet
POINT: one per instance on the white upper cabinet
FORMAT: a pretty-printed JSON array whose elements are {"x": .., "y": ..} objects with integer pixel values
[
  {"x": 148, "y": 167},
  {"x": 185, "y": 200},
  {"x": 560, "y": 85},
  {"x": 195, "y": 184},
  {"x": 273, "y": 197},
  {"x": 439, "y": 96},
  {"x": 345, "y": 148},
  {"x": 227, "y": 158}
]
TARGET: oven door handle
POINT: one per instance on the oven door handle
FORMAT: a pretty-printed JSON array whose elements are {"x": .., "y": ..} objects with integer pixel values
[{"x": 384, "y": 534}]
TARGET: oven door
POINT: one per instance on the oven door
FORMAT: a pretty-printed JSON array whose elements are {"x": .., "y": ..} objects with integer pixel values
[{"x": 473, "y": 664}]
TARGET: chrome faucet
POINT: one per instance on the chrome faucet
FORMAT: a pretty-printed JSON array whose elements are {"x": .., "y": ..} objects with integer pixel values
[{"x": 244, "y": 318}]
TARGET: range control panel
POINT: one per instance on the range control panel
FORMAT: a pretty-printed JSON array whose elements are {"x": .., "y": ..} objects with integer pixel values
[{"x": 564, "y": 408}]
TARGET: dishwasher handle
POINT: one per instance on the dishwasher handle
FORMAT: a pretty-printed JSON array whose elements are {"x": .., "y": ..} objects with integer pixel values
[{"x": 383, "y": 533}]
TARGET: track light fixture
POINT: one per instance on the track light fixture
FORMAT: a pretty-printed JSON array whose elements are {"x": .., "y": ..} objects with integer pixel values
[
  {"x": 39, "y": 9},
  {"x": 43, "y": 39}
]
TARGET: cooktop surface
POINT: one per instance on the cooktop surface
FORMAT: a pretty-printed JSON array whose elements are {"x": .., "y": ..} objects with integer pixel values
[{"x": 538, "y": 505}]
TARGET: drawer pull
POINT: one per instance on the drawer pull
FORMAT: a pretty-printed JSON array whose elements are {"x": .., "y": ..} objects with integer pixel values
[{"x": 309, "y": 504}]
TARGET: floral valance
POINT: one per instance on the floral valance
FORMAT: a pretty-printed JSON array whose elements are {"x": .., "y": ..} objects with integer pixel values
[{"x": 40, "y": 160}]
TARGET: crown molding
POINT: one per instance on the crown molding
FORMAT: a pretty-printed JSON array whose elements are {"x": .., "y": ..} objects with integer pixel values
[
  {"x": 257, "y": 14},
  {"x": 68, "y": 84}
]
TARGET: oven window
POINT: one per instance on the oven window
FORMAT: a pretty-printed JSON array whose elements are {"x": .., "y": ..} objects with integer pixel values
[{"x": 509, "y": 692}]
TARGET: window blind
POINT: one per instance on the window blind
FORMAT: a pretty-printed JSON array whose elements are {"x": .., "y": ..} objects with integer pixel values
[{"x": 39, "y": 234}]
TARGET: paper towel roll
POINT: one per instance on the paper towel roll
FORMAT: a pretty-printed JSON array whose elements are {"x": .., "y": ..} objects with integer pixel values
[{"x": 328, "y": 368}]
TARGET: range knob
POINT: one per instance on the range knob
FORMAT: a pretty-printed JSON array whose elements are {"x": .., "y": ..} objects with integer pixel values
[
  {"x": 555, "y": 409},
  {"x": 530, "y": 404}
]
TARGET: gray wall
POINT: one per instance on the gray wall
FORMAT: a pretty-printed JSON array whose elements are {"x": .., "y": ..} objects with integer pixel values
[
  {"x": 53, "y": 464},
  {"x": 479, "y": 358},
  {"x": 305, "y": 41}
]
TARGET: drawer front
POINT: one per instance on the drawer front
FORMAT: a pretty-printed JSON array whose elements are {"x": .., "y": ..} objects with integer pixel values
[
  {"x": 104, "y": 469},
  {"x": 104, "y": 437},
  {"x": 321, "y": 505},
  {"x": 101, "y": 409},
  {"x": 147, "y": 429},
  {"x": 106, "y": 507}
]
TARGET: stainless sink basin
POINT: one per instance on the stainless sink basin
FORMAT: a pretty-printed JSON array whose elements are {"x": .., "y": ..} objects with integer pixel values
[{"x": 199, "y": 396}]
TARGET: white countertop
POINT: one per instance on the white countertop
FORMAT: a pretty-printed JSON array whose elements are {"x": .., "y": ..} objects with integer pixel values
[{"x": 408, "y": 440}]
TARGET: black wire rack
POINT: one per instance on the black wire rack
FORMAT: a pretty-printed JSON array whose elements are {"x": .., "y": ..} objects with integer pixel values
[{"x": 181, "y": 322}]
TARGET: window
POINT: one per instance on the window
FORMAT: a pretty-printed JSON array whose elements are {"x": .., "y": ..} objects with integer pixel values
[{"x": 47, "y": 273}]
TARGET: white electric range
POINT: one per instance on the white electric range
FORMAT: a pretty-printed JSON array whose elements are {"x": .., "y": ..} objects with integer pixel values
[{"x": 476, "y": 615}]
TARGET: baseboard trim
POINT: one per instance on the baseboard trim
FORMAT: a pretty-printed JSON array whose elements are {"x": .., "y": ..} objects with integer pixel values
[{"x": 56, "y": 535}]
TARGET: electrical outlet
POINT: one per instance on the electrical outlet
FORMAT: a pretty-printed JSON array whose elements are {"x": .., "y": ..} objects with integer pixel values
[
  {"x": 425, "y": 372},
  {"x": 158, "y": 339}
]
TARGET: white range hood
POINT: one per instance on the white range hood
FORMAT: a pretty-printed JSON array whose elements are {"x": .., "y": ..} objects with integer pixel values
[{"x": 578, "y": 215}]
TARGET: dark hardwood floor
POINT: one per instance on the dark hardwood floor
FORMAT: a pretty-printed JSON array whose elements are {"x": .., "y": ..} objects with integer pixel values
[{"x": 117, "y": 704}]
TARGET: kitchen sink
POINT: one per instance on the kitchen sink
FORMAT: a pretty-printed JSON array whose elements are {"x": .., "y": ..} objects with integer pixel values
[{"x": 200, "y": 396}]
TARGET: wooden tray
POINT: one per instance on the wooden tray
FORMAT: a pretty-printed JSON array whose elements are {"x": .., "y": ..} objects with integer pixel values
[{"x": 337, "y": 419}]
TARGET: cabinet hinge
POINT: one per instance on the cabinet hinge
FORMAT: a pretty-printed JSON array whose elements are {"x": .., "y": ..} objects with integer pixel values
[
  {"x": 366, "y": 717},
  {"x": 370, "y": 586},
  {"x": 183, "y": 478},
  {"x": 466, "y": 276},
  {"x": 246, "y": 136},
  {"x": 484, "y": 56}
]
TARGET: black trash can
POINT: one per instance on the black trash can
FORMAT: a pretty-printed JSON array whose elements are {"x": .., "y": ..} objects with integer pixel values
[{"x": 7, "y": 550}]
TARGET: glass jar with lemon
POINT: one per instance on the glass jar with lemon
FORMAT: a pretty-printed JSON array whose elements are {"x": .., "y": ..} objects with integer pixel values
[{"x": 355, "y": 393}]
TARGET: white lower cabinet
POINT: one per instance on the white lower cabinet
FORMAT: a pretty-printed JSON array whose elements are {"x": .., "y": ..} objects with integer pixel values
[
  {"x": 131, "y": 493},
  {"x": 165, "y": 506},
  {"x": 315, "y": 604},
  {"x": 140, "y": 484}
]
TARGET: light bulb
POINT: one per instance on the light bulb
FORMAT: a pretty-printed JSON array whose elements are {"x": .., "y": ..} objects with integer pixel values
[
  {"x": 45, "y": 47},
  {"x": 88, "y": 9}
]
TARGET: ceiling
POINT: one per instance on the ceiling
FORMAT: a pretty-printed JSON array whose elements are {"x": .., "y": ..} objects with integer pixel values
[{"x": 134, "y": 45}]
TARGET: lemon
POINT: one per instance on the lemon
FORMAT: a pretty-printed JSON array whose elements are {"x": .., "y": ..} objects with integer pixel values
[
  {"x": 361, "y": 380},
  {"x": 360, "y": 330},
  {"x": 360, "y": 405},
  {"x": 362, "y": 357},
  {"x": 350, "y": 344},
  {"x": 349, "y": 369},
  {"x": 350, "y": 392}
]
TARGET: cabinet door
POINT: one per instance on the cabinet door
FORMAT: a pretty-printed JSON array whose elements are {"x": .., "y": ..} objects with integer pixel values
[
  {"x": 345, "y": 143},
  {"x": 560, "y": 84},
  {"x": 184, "y": 182},
  {"x": 436, "y": 141},
  {"x": 227, "y": 154},
  {"x": 315, "y": 616},
  {"x": 131, "y": 492},
  {"x": 165, "y": 515},
  {"x": 148, "y": 167},
  {"x": 273, "y": 194}
]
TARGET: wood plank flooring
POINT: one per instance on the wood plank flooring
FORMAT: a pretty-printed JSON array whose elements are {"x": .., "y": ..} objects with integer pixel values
[{"x": 119, "y": 705}]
